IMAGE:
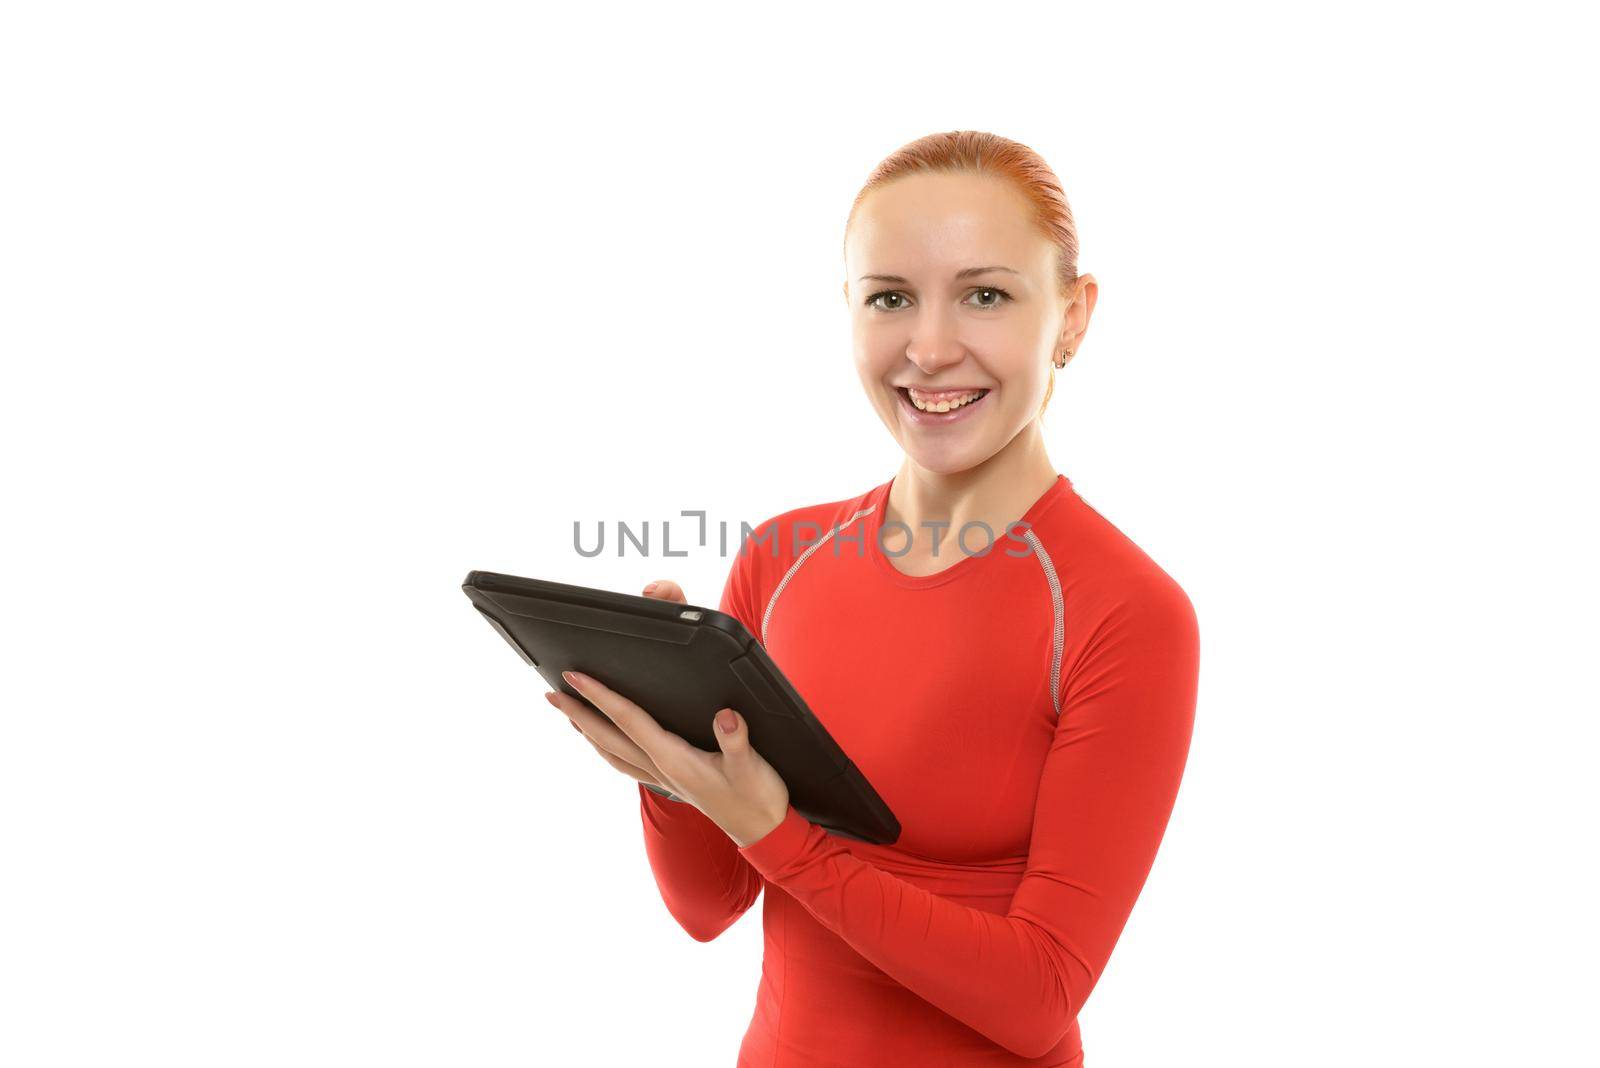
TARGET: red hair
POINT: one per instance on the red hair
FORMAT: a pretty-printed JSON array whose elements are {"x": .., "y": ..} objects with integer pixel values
[{"x": 976, "y": 152}]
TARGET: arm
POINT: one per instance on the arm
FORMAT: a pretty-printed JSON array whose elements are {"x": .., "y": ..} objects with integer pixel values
[
  {"x": 1108, "y": 785},
  {"x": 703, "y": 880}
]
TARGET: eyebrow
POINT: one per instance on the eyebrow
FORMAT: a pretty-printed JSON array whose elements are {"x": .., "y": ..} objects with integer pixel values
[{"x": 964, "y": 273}]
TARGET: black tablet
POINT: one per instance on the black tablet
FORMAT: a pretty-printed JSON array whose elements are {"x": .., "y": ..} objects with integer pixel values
[{"x": 681, "y": 663}]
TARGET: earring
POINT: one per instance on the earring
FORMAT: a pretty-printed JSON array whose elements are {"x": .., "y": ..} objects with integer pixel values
[{"x": 1066, "y": 354}]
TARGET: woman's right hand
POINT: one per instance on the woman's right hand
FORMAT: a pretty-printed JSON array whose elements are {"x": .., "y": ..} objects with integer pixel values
[{"x": 623, "y": 754}]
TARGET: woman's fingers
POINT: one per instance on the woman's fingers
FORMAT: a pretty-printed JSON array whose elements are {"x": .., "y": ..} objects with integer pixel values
[
  {"x": 622, "y": 765},
  {"x": 645, "y": 775},
  {"x": 601, "y": 732},
  {"x": 658, "y": 744},
  {"x": 666, "y": 590}
]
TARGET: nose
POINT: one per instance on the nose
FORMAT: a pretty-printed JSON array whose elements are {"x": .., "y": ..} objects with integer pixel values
[{"x": 933, "y": 355}]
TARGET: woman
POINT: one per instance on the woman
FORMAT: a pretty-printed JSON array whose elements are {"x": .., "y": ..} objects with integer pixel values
[{"x": 1025, "y": 711}]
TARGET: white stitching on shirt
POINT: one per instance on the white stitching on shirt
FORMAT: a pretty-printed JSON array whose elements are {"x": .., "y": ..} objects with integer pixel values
[
  {"x": 1060, "y": 634},
  {"x": 766, "y": 616}
]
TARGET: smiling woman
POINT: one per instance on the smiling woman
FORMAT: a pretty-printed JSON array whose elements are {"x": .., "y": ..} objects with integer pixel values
[{"x": 1026, "y": 713}]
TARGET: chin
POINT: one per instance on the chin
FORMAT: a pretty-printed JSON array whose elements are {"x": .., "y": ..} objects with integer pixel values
[
  {"x": 950, "y": 453},
  {"x": 946, "y": 461}
]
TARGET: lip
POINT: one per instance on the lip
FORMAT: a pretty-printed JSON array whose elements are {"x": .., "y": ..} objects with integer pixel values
[{"x": 917, "y": 417}]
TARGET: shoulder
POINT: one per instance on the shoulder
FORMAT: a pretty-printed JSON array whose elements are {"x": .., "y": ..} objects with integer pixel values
[
  {"x": 778, "y": 541},
  {"x": 765, "y": 552},
  {"x": 1128, "y": 622},
  {"x": 1108, "y": 575}
]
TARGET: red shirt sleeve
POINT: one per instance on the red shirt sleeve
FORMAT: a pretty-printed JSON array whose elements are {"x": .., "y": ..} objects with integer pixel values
[
  {"x": 1108, "y": 785},
  {"x": 704, "y": 881}
]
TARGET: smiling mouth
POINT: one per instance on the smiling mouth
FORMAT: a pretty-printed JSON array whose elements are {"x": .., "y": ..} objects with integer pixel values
[{"x": 943, "y": 407}]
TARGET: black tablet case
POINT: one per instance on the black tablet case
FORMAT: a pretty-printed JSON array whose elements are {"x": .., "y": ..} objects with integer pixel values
[{"x": 681, "y": 663}]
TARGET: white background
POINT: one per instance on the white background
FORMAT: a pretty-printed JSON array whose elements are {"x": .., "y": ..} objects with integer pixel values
[{"x": 309, "y": 309}]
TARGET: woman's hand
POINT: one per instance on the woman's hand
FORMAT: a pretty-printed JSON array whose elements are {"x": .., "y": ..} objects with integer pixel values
[{"x": 735, "y": 787}]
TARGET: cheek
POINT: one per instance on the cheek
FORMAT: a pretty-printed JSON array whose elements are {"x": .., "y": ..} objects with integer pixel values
[
  {"x": 876, "y": 361},
  {"x": 1016, "y": 367},
  {"x": 1022, "y": 385},
  {"x": 1027, "y": 374}
]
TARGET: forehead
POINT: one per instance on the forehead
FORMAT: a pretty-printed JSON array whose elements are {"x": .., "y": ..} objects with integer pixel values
[{"x": 935, "y": 224}]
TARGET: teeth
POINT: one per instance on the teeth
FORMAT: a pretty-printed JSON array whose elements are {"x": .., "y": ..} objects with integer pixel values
[{"x": 945, "y": 404}]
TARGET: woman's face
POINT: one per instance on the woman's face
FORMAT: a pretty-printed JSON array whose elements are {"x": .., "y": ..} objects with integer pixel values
[{"x": 922, "y": 318}]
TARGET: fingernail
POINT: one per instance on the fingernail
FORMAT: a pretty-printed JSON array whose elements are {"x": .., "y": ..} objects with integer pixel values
[
  {"x": 551, "y": 697},
  {"x": 652, "y": 586},
  {"x": 576, "y": 678},
  {"x": 727, "y": 721}
]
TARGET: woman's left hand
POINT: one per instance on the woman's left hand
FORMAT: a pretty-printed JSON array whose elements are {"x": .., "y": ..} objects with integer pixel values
[{"x": 735, "y": 787}]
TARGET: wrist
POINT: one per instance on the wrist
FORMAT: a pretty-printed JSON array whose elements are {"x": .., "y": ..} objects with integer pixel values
[{"x": 762, "y": 829}]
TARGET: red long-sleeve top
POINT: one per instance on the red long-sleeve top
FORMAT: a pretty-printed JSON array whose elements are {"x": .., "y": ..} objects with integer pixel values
[{"x": 1026, "y": 714}]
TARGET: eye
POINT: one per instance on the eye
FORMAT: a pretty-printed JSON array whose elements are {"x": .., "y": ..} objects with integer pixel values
[{"x": 1002, "y": 296}]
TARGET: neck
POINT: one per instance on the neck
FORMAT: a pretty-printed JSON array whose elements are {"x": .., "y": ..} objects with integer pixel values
[{"x": 997, "y": 491}]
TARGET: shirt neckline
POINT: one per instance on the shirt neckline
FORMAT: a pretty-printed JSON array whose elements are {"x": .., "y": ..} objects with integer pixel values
[{"x": 966, "y": 563}]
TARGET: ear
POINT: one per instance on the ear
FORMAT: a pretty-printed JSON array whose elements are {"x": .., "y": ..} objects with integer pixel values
[{"x": 1085, "y": 292}]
